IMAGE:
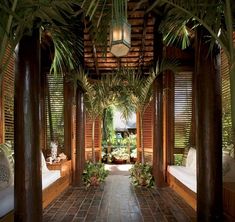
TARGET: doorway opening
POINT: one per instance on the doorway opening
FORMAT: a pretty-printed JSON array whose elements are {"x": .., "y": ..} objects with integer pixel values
[{"x": 118, "y": 137}]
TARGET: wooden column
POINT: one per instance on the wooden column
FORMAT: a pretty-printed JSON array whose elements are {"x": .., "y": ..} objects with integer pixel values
[
  {"x": 68, "y": 118},
  {"x": 28, "y": 187},
  {"x": 42, "y": 116},
  {"x": 79, "y": 155},
  {"x": 158, "y": 171},
  {"x": 168, "y": 119},
  {"x": 208, "y": 132}
]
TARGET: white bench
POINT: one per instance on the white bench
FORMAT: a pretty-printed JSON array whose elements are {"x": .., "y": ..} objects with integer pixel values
[
  {"x": 183, "y": 179},
  {"x": 51, "y": 180}
]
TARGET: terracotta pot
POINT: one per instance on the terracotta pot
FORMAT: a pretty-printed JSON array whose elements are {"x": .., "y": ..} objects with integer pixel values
[{"x": 119, "y": 161}]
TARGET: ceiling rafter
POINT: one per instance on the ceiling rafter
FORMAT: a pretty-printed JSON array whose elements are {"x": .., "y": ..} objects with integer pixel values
[{"x": 142, "y": 46}]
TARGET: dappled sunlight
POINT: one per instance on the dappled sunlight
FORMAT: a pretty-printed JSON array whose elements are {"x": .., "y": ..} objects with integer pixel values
[{"x": 115, "y": 169}]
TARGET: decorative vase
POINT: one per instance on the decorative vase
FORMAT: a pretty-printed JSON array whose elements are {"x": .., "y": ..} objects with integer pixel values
[{"x": 54, "y": 147}]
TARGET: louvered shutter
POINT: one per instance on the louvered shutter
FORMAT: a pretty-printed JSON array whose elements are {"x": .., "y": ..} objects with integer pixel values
[
  {"x": 55, "y": 84},
  {"x": 88, "y": 138},
  {"x": 226, "y": 101},
  {"x": 183, "y": 109},
  {"x": 147, "y": 134},
  {"x": 8, "y": 101}
]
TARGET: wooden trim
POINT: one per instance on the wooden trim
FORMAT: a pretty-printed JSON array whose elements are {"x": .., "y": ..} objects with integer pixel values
[
  {"x": 1, "y": 118},
  {"x": 43, "y": 125},
  {"x": 229, "y": 200},
  {"x": 188, "y": 195},
  {"x": 79, "y": 156},
  {"x": 8, "y": 217},
  {"x": 138, "y": 139},
  {"x": 68, "y": 117},
  {"x": 56, "y": 188}
]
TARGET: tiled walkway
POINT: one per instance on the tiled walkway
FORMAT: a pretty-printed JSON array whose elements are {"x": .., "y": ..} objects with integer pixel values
[{"x": 118, "y": 201}]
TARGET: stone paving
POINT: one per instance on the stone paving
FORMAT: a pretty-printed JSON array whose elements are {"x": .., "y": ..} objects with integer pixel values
[{"x": 118, "y": 201}]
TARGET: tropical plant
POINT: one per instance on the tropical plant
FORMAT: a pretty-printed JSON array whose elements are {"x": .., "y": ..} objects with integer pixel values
[
  {"x": 120, "y": 154},
  {"x": 141, "y": 175},
  {"x": 98, "y": 95},
  {"x": 20, "y": 17},
  {"x": 137, "y": 91},
  {"x": 180, "y": 17},
  {"x": 94, "y": 174}
]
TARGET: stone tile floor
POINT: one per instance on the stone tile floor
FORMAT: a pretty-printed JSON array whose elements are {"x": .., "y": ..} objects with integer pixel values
[{"x": 118, "y": 201}]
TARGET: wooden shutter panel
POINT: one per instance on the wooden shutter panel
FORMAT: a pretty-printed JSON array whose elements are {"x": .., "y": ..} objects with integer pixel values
[
  {"x": 8, "y": 101},
  {"x": 226, "y": 102},
  {"x": 147, "y": 134},
  {"x": 88, "y": 138},
  {"x": 55, "y": 84},
  {"x": 183, "y": 109}
]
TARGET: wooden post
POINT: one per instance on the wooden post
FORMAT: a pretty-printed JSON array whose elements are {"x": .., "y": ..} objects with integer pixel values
[
  {"x": 158, "y": 171},
  {"x": 168, "y": 119},
  {"x": 42, "y": 121},
  {"x": 208, "y": 131},
  {"x": 79, "y": 156},
  {"x": 28, "y": 185},
  {"x": 68, "y": 119}
]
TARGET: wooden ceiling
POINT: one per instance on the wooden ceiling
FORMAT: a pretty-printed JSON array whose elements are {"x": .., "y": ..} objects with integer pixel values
[{"x": 140, "y": 55}]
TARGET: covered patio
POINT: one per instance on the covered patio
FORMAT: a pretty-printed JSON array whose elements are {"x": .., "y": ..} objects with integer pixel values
[{"x": 186, "y": 128}]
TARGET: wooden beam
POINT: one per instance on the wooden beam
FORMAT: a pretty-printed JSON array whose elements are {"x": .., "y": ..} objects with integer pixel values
[
  {"x": 208, "y": 131},
  {"x": 79, "y": 156},
  {"x": 143, "y": 37},
  {"x": 28, "y": 184}
]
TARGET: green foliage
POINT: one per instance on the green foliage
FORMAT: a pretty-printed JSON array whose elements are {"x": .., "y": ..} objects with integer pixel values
[
  {"x": 141, "y": 175},
  {"x": 20, "y": 17},
  {"x": 94, "y": 174},
  {"x": 133, "y": 153},
  {"x": 178, "y": 159},
  {"x": 108, "y": 128},
  {"x": 120, "y": 154}
]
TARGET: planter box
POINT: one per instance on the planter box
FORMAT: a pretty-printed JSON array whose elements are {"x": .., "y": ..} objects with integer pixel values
[{"x": 119, "y": 161}]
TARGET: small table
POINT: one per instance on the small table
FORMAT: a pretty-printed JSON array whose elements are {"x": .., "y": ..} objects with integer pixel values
[{"x": 64, "y": 166}]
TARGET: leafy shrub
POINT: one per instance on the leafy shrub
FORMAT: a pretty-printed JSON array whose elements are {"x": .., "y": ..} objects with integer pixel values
[
  {"x": 94, "y": 174},
  {"x": 141, "y": 175}
]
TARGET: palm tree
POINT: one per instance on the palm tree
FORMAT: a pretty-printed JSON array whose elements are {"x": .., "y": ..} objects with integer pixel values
[
  {"x": 98, "y": 95},
  {"x": 58, "y": 18},
  {"x": 217, "y": 17},
  {"x": 141, "y": 96}
]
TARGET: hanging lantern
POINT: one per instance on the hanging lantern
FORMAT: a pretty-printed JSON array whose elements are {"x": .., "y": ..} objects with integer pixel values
[{"x": 120, "y": 32}]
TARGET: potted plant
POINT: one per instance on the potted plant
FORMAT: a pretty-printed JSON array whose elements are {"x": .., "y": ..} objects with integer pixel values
[
  {"x": 120, "y": 155},
  {"x": 133, "y": 155},
  {"x": 141, "y": 175},
  {"x": 94, "y": 174}
]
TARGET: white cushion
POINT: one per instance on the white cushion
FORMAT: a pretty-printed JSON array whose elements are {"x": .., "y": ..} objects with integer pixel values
[
  {"x": 43, "y": 164},
  {"x": 6, "y": 200},
  {"x": 49, "y": 177},
  {"x": 6, "y": 174},
  {"x": 185, "y": 176},
  {"x": 191, "y": 161}
]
